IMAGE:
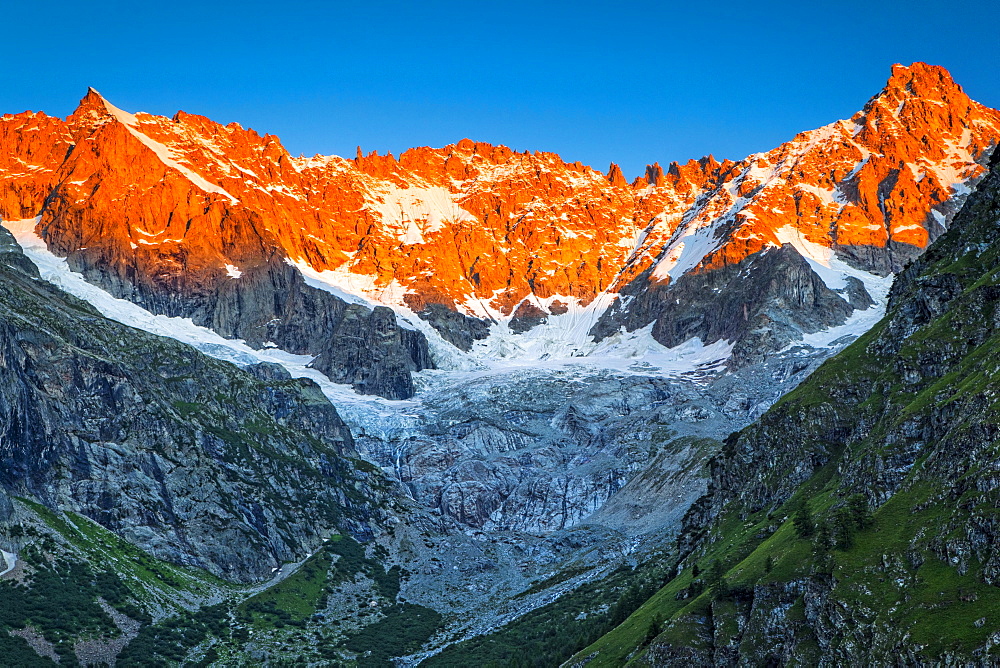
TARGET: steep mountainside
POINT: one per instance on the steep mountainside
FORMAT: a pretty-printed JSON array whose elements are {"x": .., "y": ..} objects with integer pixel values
[
  {"x": 161, "y": 507},
  {"x": 857, "y": 520},
  {"x": 151, "y": 230},
  {"x": 188, "y": 217},
  {"x": 234, "y": 471}
]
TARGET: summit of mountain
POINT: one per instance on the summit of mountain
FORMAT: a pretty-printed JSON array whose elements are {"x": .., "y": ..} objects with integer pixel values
[{"x": 189, "y": 217}]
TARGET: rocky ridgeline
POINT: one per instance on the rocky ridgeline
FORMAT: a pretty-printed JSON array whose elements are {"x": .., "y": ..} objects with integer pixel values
[{"x": 189, "y": 217}]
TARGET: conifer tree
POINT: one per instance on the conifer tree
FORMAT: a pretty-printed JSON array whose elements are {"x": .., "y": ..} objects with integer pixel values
[
  {"x": 860, "y": 512},
  {"x": 717, "y": 585},
  {"x": 805, "y": 526},
  {"x": 844, "y": 529}
]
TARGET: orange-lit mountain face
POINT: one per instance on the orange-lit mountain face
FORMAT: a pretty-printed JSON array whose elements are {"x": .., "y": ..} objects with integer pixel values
[{"x": 163, "y": 211}]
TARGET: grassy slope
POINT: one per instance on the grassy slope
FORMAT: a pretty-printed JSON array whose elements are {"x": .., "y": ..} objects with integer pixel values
[
  {"x": 71, "y": 563},
  {"x": 892, "y": 576},
  {"x": 551, "y": 633}
]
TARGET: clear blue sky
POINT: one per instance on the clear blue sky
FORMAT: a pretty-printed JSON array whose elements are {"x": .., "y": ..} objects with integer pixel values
[{"x": 632, "y": 82}]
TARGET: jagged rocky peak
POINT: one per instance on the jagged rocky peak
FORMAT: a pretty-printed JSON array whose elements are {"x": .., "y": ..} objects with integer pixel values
[
  {"x": 920, "y": 80},
  {"x": 92, "y": 101},
  {"x": 856, "y": 199},
  {"x": 94, "y": 110},
  {"x": 218, "y": 214},
  {"x": 654, "y": 174},
  {"x": 615, "y": 176}
]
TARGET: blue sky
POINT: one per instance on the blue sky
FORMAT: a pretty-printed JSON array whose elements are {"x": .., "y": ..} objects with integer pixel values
[{"x": 632, "y": 82}]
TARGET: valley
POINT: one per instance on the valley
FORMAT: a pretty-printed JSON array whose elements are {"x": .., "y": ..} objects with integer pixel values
[{"x": 271, "y": 410}]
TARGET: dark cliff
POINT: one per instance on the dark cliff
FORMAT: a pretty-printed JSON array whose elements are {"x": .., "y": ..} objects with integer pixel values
[{"x": 190, "y": 458}]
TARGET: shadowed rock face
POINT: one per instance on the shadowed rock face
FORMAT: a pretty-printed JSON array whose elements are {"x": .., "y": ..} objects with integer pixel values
[
  {"x": 457, "y": 329},
  {"x": 271, "y": 304},
  {"x": 763, "y": 303},
  {"x": 527, "y": 316},
  {"x": 190, "y": 458}
]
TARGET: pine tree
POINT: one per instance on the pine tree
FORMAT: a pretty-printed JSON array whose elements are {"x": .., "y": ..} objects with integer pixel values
[
  {"x": 769, "y": 564},
  {"x": 717, "y": 585},
  {"x": 824, "y": 539},
  {"x": 715, "y": 572},
  {"x": 805, "y": 526},
  {"x": 720, "y": 589},
  {"x": 655, "y": 628},
  {"x": 844, "y": 529},
  {"x": 861, "y": 514}
]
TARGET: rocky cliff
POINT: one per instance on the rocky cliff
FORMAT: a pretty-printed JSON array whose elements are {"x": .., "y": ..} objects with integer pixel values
[
  {"x": 855, "y": 523},
  {"x": 192, "y": 459}
]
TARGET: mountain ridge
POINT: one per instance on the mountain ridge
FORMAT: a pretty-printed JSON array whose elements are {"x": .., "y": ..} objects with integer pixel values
[
  {"x": 472, "y": 234},
  {"x": 856, "y": 520}
]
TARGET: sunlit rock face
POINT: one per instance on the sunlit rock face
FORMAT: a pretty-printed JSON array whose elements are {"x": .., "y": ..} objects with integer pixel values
[{"x": 169, "y": 210}]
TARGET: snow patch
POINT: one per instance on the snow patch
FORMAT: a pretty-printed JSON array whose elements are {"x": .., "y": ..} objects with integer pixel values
[
  {"x": 834, "y": 273},
  {"x": 832, "y": 269},
  {"x": 821, "y": 258},
  {"x": 10, "y": 561},
  {"x": 685, "y": 251},
  {"x": 351, "y": 287},
  {"x": 410, "y": 213}
]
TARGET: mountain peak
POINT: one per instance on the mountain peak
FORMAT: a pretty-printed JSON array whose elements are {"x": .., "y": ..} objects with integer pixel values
[
  {"x": 921, "y": 101},
  {"x": 615, "y": 176},
  {"x": 922, "y": 80},
  {"x": 95, "y": 107},
  {"x": 92, "y": 101}
]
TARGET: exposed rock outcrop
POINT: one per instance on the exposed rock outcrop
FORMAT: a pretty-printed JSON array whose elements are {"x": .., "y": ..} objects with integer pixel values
[
  {"x": 763, "y": 303},
  {"x": 192, "y": 459}
]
